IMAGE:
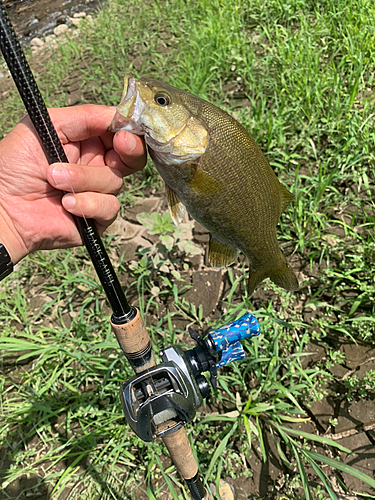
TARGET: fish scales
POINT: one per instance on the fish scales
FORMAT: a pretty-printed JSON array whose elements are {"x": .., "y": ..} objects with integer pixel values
[{"x": 214, "y": 169}]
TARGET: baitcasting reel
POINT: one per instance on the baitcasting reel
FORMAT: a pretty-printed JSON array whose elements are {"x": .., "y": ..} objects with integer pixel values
[{"x": 166, "y": 397}]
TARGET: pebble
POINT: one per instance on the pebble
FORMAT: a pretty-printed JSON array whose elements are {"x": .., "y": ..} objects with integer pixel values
[
  {"x": 33, "y": 22},
  {"x": 76, "y": 21},
  {"x": 36, "y": 42},
  {"x": 79, "y": 14},
  {"x": 62, "y": 19},
  {"x": 60, "y": 29}
]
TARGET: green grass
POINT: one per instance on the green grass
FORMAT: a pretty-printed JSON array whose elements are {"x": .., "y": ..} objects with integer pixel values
[{"x": 305, "y": 69}]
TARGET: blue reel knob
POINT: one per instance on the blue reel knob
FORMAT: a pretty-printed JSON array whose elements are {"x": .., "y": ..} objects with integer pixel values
[
  {"x": 233, "y": 353},
  {"x": 227, "y": 338}
]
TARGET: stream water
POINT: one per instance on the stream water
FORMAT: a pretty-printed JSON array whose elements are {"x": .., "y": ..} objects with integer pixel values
[{"x": 35, "y": 18}]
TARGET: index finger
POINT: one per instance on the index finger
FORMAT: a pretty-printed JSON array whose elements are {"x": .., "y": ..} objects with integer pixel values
[{"x": 81, "y": 122}]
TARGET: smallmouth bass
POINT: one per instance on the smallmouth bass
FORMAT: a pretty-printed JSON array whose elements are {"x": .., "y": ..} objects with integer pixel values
[{"x": 214, "y": 170}]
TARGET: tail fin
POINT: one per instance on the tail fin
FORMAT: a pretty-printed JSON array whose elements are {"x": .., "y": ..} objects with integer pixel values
[{"x": 282, "y": 276}]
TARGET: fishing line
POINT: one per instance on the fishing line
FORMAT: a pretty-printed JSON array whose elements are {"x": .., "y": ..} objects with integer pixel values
[
  {"x": 36, "y": 108},
  {"x": 123, "y": 313}
]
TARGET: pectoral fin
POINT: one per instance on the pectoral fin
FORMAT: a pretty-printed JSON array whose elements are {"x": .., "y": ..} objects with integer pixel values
[
  {"x": 204, "y": 184},
  {"x": 176, "y": 208},
  {"x": 220, "y": 255}
]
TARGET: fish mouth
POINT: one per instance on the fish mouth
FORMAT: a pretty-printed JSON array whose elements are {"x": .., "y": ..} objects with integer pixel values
[
  {"x": 129, "y": 117},
  {"x": 129, "y": 111}
]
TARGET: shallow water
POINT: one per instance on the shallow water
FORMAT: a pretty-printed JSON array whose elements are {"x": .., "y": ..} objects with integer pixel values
[{"x": 35, "y": 18}]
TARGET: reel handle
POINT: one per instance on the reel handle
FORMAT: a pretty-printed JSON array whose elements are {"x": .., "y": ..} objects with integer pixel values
[{"x": 226, "y": 339}]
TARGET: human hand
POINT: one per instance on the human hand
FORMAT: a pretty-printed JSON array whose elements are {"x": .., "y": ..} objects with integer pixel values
[{"x": 34, "y": 212}]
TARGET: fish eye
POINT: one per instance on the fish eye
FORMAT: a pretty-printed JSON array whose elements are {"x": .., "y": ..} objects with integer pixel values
[{"x": 162, "y": 99}]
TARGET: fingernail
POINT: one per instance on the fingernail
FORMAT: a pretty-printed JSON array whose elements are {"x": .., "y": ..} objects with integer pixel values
[
  {"x": 69, "y": 201},
  {"x": 60, "y": 175},
  {"x": 130, "y": 142}
]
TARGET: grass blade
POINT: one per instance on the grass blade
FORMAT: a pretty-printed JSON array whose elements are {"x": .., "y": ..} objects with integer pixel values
[
  {"x": 321, "y": 476},
  {"x": 332, "y": 462},
  {"x": 314, "y": 437},
  {"x": 302, "y": 472},
  {"x": 261, "y": 442},
  {"x": 219, "y": 450}
]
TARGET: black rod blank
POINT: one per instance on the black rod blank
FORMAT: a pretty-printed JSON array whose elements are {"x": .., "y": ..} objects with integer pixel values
[{"x": 36, "y": 108}]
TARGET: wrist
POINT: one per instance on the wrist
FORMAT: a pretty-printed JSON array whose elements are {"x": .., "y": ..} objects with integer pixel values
[{"x": 11, "y": 239}]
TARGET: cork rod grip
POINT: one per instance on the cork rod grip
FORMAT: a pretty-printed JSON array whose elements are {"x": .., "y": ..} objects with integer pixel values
[
  {"x": 134, "y": 341},
  {"x": 182, "y": 455}
]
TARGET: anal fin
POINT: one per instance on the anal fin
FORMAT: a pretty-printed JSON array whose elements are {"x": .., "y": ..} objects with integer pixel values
[
  {"x": 220, "y": 255},
  {"x": 176, "y": 208}
]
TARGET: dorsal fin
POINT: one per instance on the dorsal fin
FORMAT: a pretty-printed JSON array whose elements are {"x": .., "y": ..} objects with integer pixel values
[{"x": 176, "y": 208}]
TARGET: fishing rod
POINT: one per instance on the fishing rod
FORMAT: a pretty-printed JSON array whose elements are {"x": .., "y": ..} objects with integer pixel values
[{"x": 160, "y": 399}]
